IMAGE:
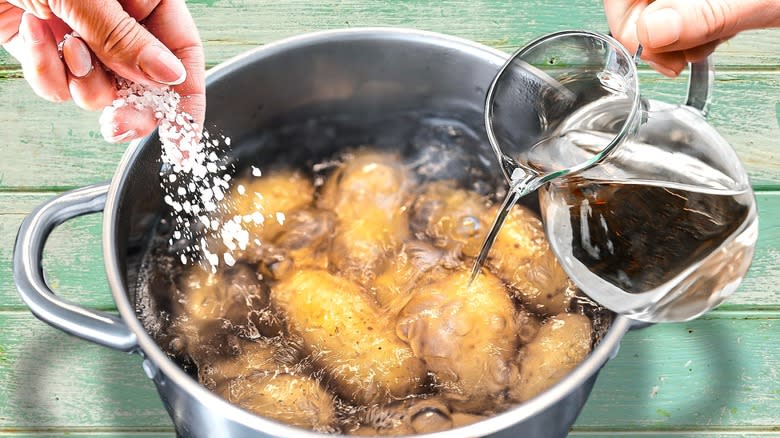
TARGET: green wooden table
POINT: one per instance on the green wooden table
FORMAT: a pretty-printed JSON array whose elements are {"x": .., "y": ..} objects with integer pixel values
[{"x": 716, "y": 376}]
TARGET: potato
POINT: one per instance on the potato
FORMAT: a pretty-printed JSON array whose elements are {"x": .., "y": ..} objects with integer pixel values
[
  {"x": 234, "y": 297},
  {"x": 366, "y": 179},
  {"x": 264, "y": 202},
  {"x": 456, "y": 219},
  {"x": 465, "y": 334},
  {"x": 418, "y": 263},
  {"x": 407, "y": 417},
  {"x": 304, "y": 242},
  {"x": 521, "y": 256},
  {"x": 368, "y": 195},
  {"x": 563, "y": 341},
  {"x": 294, "y": 400},
  {"x": 362, "y": 246},
  {"x": 342, "y": 329}
]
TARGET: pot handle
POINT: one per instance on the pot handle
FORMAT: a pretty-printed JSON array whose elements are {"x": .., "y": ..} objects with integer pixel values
[
  {"x": 99, "y": 327},
  {"x": 700, "y": 82}
]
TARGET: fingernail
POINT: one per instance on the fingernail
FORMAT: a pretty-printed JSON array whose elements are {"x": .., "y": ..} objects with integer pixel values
[
  {"x": 663, "y": 27},
  {"x": 121, "y": 137},
  {"x": 663, "y": 70},
  {"x": 32, "y": 29},
  {"x": 77, "y": 57},
  {"x": 162, "y": 66}
]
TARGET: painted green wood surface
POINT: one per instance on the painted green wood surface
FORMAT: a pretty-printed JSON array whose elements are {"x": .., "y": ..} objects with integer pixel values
[
  {"x": 67, "y": 149},
  {"x": 229, "y": 27},
  {"x": 715, "y": 377}
]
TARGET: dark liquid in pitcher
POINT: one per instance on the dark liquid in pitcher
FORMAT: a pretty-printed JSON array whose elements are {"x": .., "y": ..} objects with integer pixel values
[{"x": 639, "y": 237}]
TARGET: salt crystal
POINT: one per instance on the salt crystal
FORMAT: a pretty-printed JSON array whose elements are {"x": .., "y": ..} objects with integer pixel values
[
  {"x": 183, "y": 259},
  {"x": 177, "y": 234},
  {"x": 229, "y": 260},
  {"x": 256, "y": 171},
  {"x": 172, "y": 178},
  {"x": 241, "y": 189},
  {"x": 181, "y": 191},
  {"x": 257, "y": 218},
  {"x": 211, "y": 167},
  {"x": 227, "y": 141},
  {"x": 280, "y": 217}
]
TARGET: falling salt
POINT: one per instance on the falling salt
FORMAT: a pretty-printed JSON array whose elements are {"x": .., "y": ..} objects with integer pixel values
[
  {"x": 190, "y": 159},
  {"x": 256, "y": 171}
]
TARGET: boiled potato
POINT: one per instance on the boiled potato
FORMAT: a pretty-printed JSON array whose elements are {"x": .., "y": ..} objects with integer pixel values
[
  {"x": 343, "y": 330},
  {"x": 418, "y": 263},
  {"x": 521, "y": 256},
  {"x": 465, "y": 334},
  {"x": 263, "y": 203},
  {"x": 455, "y": 219},
  {"x": 368, "y": 194},
  {"x": 295, "y": 400},
  {"x": 304, "y": 242},
  {"x": 563, "y": 341},
  {"x": 362, "y": 246},
  {"x": 235, "y": 297},
  {"x": 407, "y": 417},
  {"x": 375, "y": 179}
]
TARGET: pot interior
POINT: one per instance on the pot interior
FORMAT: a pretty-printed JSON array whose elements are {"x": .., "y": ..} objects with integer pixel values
[{"x": 302, "y": 102}]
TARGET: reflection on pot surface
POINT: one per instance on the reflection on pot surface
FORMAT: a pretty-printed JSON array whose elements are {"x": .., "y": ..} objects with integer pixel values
[{"x": 349, "y": 309}]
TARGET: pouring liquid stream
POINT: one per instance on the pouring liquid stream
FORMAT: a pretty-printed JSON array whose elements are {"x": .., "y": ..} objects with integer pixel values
[{"x": 523, "y": 184}]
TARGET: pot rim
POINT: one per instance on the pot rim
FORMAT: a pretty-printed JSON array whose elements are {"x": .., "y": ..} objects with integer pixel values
[{"x": 606, "y": 348}]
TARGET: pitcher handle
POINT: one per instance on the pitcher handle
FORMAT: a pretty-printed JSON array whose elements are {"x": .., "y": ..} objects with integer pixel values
[
  {"x": 700, "y": 82},
  {"x": 92, "y": 325}
]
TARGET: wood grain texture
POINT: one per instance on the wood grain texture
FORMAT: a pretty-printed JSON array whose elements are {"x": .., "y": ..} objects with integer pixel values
[
  {"x": 73, "y": 259},
  {"x": 49, "y": 146},
  {"x": 719, "y": 371},
  {"x": 229, "y": 27}
]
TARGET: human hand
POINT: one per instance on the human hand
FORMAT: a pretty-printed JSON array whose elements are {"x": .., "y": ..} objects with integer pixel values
[
  {"x": 675, "y": 32},
  {"x": 164, "y": 49}
]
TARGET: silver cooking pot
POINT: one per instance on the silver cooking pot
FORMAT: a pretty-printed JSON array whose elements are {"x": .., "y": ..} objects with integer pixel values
[{"x": 362, "y": 73}]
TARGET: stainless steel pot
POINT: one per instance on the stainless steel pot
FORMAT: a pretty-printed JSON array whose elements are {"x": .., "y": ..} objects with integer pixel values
[{"x": 360, "y": 72}]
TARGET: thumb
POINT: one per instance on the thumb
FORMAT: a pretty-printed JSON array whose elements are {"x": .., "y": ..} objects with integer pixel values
[
  {"x": 672, "y": 25},
  {"x": 120, "y": 42}
]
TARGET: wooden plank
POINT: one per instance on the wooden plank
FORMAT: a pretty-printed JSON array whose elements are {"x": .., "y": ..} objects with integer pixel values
[
  {"x": 231, "y": 27},
  {"x": 48, "y": 146},
  {"x": 73, "y": 259},
  {"x": 49, "y": 379},
  {"x": 717, "y": 373}
]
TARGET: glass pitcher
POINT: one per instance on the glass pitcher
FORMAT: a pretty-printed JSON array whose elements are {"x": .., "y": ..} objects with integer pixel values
[{"x": 660, "y": 223}]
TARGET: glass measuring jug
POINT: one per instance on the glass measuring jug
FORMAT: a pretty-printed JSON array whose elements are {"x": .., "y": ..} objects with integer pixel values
[{"x": 646, "y": 206}]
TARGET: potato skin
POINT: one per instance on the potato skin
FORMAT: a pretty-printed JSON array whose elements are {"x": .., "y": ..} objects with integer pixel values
[
  {"x": 466, "y": 336},
  {"x": 295, "y": 400},
  {"x": 345, "y": 334},
  {"x": 563, "y": 341},
  {"x": 416, "y": 264},
  {"x": 368, "y": 194},
  {"x": 521, "y": 256},
  {"x": 233, "y": 296},
  {"x": 457, "y": 220},
  {"x": 274, "y": 196}
]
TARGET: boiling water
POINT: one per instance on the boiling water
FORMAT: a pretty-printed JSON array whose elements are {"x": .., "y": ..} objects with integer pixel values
[{"x": 251, "y": 322}]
